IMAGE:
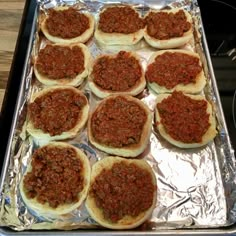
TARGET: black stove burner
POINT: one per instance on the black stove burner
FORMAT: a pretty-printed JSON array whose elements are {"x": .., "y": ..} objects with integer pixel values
[{"x": 219, "y": 17}]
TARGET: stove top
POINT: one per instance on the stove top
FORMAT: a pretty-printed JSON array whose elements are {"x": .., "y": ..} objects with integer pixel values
[{"x": 219, "y": 17}]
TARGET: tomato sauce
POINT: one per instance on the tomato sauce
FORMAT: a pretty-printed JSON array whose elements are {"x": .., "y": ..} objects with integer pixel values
[
  {"x": 66, "y": 24},
  {"x": 117, "y": 74},
  {"x": 56, "y": 176},
  {"x": 118, "y": 122},
  {"x": 163, "y": 25},
  {"x": 184, "y": 118},
  {"x": 57, "y": 111},
  {"x": 123, "y": 20},
  {"x": 170, "y": 69},
  {"x": 59, "y": 62},
  {"x": 123, "y": 190}
]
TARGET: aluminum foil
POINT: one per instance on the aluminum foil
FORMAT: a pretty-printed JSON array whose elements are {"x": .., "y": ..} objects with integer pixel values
[{"x": 195, "y": 188}]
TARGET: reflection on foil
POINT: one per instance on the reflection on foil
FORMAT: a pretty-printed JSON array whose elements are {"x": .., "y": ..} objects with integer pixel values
[
  {"x": 187, "y": 185},
  {"x": 196, "y": 187}
]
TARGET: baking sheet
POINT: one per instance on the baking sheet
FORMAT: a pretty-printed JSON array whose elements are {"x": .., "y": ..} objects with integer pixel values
[{"x": 196, "y": 188}]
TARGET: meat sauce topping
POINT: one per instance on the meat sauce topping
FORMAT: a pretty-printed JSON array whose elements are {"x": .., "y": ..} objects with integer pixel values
[
  {"x": 163, "y": 25},
  {"x": 117, "y": 74},
  {"x": 171, "y": 69},
  {"x": 57, "y": 111},
  {"x": 58, "y": 62},
  {"x": 123, "y": 190},
  {"x": 56, "y": 177},
  {"x": 123, "y": 20},
  {"x": 118, "y": 122},
  {"x": 183, "y": 118},
  {"x": 66, "y": 24}
]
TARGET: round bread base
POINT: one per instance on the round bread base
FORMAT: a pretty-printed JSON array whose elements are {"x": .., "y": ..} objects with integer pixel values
[
  {"x": 118, "y": 38},
  {"x": 191, "y": 88},
  {"x": 131, "y": 150},
  {"x": 207, "y": 137},
  {"x": 133, "y": 91},
  {"x": 172, "y": 42},
  {"x": 127, "y": 222},
  {"x": 83, "y": 38},
  {"x": 46, "y": 137},
  {"x": 44, "y": 79},
  {"x": 45, "y": 209}
]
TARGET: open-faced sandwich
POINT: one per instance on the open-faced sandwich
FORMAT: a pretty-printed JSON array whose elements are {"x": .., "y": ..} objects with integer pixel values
[
  {"x": 62, "y": 64},
  {"x": 168, "y": 28},
  {"x": 117, "y": 73},
  {"x": 57, "y": 113},
  {"x": 120, "y": 24},
  {"x": 56, "y": 181},
  {"x": 186, "y": 121},
  {"x": 175, "y": 69},
  {"x": 122, "y": 194},
  {"x": 120, "y": 125},
  {"x": 67, "y": 25}
]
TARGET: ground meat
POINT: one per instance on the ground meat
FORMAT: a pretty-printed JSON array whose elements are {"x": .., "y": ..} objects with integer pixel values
[
  {"x": 163, "y": 25},
  {"x": 125, "y": 189},
  {"x": 66, "y": 24},
  {"x": 183, "y": 118},
  {"x": 118, "y": 122},
  {"x": 171, "y": 69},
  {"x": 56, "y": 176},
  {"x": 117, "y": 74},
  {"x": 58, "y": 62},
  {"x": 123, "y": 20},
  {"x": 57, "y": 111}
]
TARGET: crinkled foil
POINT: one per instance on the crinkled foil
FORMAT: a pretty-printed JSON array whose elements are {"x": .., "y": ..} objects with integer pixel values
[{"x": 195, "y": 188}]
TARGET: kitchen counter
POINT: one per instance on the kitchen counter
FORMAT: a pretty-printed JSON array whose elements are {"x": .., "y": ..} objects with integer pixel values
[{"x": 10, "y": 19}]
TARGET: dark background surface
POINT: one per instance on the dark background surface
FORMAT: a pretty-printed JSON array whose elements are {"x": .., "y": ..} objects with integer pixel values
[{"x": 219, "y": 19}]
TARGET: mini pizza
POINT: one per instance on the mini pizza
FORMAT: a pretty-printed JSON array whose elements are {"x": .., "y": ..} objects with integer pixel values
[
  {"x": 67, "y": 25},
  {"x": 122, "y": 193},
  {"x": 57, "y": 113},
  {"x": 120, "y": 125},
  {"x": 168, "y": 28},
  {"x": 120, "y": 73},
  {"x": 60, "y": 64},
  {"x": 179, "y": 70},
  {"x": 120, "y": 25},
  {"x": 186, "y": 121},
  {"x": 57, "y": 180}
]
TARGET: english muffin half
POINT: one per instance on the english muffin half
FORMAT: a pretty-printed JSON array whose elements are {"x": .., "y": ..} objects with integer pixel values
[
  {"x": 57, "y": 113},
  {"x": 167, "y": 29},
  {"x": 184, "y": 120},
  {"x": 66, "y": 24},
  {"x": 57, "y": 179},
  {"x": 120, "y": 125},
  {"x": 119, "y": 25},
  {"x": 120, "y": 73},
  {"x": 180, "y": 70},
  {"x": 62, "y": 64},
  {"x": 122, "y": 194}
]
